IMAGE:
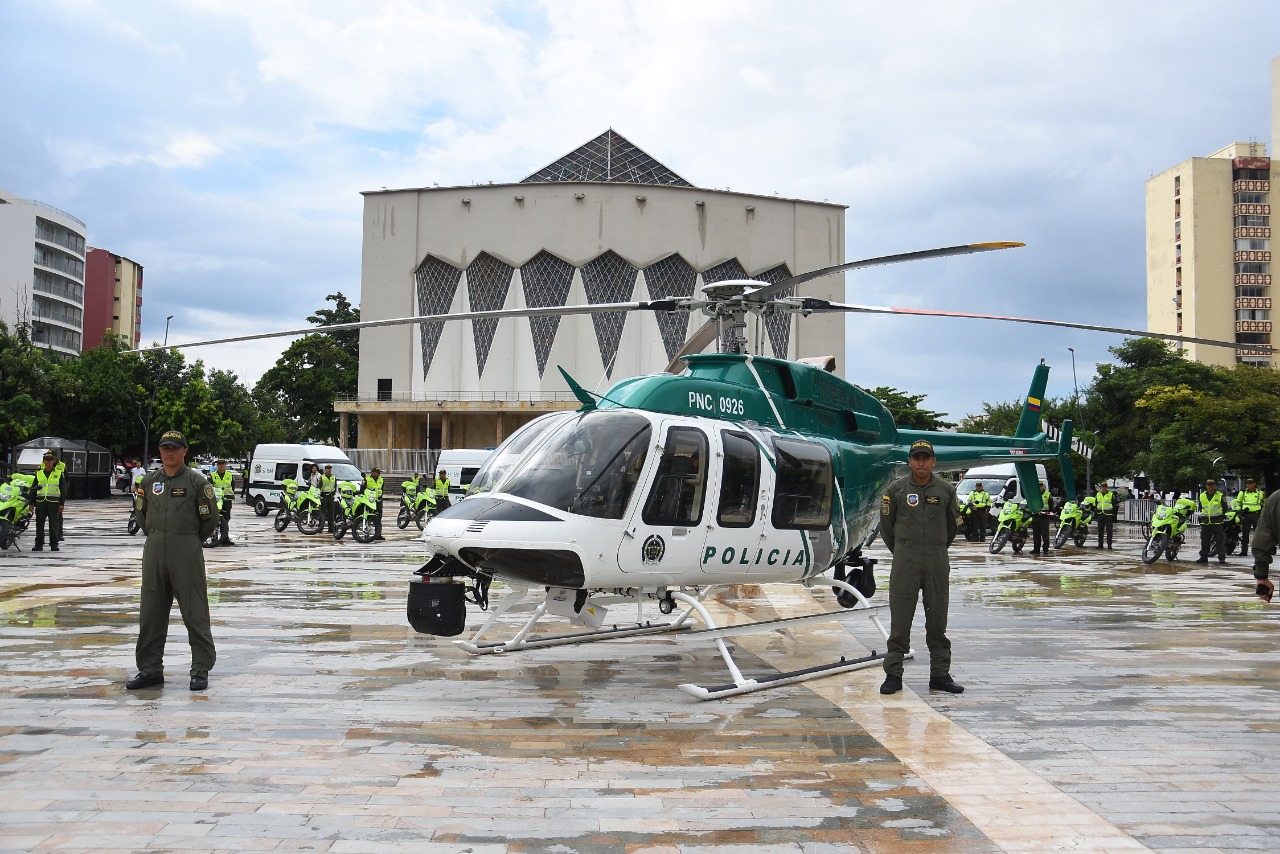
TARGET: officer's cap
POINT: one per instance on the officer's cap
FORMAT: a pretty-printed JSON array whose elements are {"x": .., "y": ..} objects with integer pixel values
[
  {"x": 1249, "y": 480},
  {"x": 375, "y": 469},
  {"x": 219, "y": 462},
  {"x": 921, "y": 447},
  {"x": 1210, "y": 482},
  {"x": 49, "y": 455},
  {"x": 173, "y": 437}
]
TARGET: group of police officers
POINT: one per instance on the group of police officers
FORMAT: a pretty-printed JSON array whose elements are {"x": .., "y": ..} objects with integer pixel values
[{"x": 1212, "y": 505}]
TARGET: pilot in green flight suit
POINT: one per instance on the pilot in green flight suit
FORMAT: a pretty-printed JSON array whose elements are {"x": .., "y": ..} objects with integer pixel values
[
  {"x": 177, "y": 510},
  {"x": 918, "y": 516}
]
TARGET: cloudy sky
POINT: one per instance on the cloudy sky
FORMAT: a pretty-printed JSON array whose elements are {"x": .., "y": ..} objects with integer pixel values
[{"x": 224, "y": 145}]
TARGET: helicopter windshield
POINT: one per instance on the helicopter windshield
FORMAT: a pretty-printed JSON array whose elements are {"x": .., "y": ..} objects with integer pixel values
[
  {"x": 509, "y": 452},
  {"x": 589, "y": 466}
]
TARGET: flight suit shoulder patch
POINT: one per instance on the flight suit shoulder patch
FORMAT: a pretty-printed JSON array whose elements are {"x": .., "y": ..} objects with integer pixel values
[
  {"x": 208, "y": 491},
  {"x": 885, "y": 503}
]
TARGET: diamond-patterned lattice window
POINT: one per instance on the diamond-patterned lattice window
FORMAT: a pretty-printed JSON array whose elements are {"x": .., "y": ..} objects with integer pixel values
[
  {"x": 608, "y": 158},
  {"x": 672, "y": 277},
  {"x": 488, "y": 281},
  {"x": 607, "y": 278},
  {"x": 731, "y": 269},
  {"x": 437, "y": 284},
  {"x": 778, "y": 324},
  {"x": 546, "y": 281}
]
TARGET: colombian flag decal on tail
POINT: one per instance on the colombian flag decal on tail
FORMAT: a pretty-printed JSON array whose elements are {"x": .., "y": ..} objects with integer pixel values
[{"x": 1033, "y": 403}]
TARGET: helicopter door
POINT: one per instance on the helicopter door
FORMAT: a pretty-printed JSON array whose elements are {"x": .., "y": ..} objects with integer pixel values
[
  {"x": 735, "y": 531},
  {"x": 665, "y": 533}
]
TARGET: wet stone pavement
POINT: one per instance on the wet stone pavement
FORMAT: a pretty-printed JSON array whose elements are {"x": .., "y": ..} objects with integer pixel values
[{"x": 1111, "y": 707}]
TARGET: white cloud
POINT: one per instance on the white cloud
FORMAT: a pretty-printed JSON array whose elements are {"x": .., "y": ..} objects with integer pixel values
[{"x": 224, "y": 144}]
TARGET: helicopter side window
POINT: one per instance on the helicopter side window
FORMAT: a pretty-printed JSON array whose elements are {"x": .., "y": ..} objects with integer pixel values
[
  {"x": 803, "y": 496},
  {"x": 678, "y": 487},
  {"x": 739, "y": 480}
]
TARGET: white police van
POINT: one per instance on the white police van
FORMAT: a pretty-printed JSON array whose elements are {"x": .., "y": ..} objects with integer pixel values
[{"x": 272, "y": 464}]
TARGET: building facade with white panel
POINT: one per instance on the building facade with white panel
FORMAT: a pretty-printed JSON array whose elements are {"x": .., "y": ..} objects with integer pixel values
[
  {"x": 605, "y": 224},
  {"x": 42, "y": 263}
]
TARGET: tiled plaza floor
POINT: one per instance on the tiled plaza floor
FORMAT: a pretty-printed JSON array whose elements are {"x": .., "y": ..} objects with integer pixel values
[{"x": 1111, "y": 706}]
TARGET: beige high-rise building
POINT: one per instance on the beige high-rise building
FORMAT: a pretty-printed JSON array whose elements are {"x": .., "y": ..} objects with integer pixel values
[{"x": 1209, "y": 249}]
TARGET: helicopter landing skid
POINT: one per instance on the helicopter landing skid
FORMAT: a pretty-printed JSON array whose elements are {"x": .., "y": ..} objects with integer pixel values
[
  {"x": 743, "y": 685},
  {"x": 515, "y": 604}
]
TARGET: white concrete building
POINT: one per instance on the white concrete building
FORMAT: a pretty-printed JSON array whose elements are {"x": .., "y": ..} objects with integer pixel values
[
  {"x": 42, "y": 256},
  {"x": 605, "y": 223}
]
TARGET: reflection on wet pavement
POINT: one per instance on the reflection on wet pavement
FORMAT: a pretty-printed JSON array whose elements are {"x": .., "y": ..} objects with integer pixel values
[{"x": 330, "y": 725}]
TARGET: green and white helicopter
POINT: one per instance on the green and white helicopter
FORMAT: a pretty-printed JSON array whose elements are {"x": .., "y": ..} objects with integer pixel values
[{"x": 728, "y": 469}]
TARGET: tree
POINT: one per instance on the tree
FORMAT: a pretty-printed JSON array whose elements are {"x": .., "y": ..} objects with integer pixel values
[
  {"x": 97, "y": 398},
  {"x": 906, "y": 409},
  {"x": 1001, "y": 419},
  {"x": 24, "y": 387},
  {"x": 296, "y": 394}
]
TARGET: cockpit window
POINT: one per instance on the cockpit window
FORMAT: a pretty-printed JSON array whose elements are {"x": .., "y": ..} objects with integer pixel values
[
  {"x": 510, "y": 451},
  {"x": 680, "y": 482},
  {"x": 589, "y": 466}
]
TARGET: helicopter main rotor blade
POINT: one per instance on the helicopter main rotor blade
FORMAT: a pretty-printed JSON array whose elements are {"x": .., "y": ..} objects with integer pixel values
[
  {"x": 705, "y": 334},
  {"x": 818, "y": 305},
  {"x": 555, "y": 311},
  {"x": 767, "y": 293}
]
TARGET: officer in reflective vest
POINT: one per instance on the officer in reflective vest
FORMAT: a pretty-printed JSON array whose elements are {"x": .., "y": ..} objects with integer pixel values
[
  {"x": 1105, "y": 501},
  {"x": 1040, "y": 524},
  {"x": 980, "y": 510},
  {"x": 442, "y": 490},
  {"x": 1250, "y": 506},
  {"x": 221, "y": 480},
  {"x": 49, "y": 500},
  {"x": 373, "y": 483},
  {"x": 328, "y": 487},
  {"x": 1213, "y": 511}
]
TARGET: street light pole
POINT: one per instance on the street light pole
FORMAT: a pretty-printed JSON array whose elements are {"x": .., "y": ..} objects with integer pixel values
[{"x": 1088, "y": 460}]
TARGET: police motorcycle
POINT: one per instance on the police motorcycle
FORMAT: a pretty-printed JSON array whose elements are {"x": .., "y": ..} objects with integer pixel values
[
  {"x": 288, "y": 504},
  {"x": 308, "y": 512},
  {"x": 1012, "y": 526},
  {"x": 134, "y": 524},
  {"x": 416, "y": 505},
  {"x": 1073, "y": 522},
  {"x": 1231, "y": 530},
  {"x": 356, "y": 512},
  {"x": 15, "y": 508},
  {"x": 1168, "y": 530}
]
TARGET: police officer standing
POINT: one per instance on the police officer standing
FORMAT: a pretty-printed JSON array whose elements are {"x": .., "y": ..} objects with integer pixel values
[
  {"x": 1213, "y": 513},
  {"x": 442, "y": 490},
  {"x": 328, "y": 486},
  {"x": 1250, "y": 506},
  {"x": 222, "y": 486},
  {"x": 373, "y": 483},
  {"x": 1040, "y": 522},
  {"x": 918, "y": 523},
  {"x": 1105, "y": 508},
  {"x": 979, "y": 510},
  {"x": 49, "y": 500},
  {"x": 177, "y": 510}
]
